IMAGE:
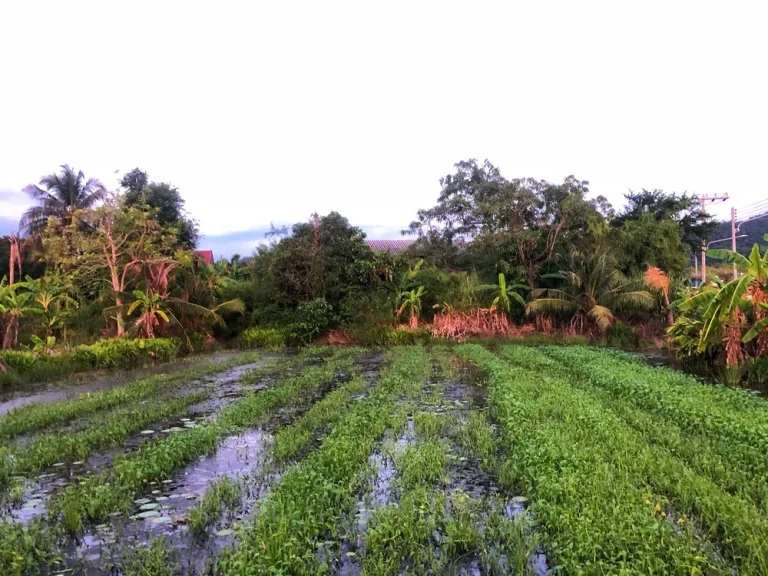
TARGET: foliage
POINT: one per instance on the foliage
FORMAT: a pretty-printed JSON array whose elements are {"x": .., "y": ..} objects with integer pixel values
[
  {"x": 258, "y": 337},
  {"x": 505, "y": 295},
  {"x": 165, "y": 202},
  {"x": 520, "y": 222},
  {"x": 312, "y": 318},
  {"x": 594, "y": 289},
  {"x": 60, "y": 196}
]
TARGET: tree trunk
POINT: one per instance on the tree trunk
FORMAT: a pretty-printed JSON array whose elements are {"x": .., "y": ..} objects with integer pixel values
[
  {"x": 11, "y": 332},
  {"x": 119, "y": 316}
]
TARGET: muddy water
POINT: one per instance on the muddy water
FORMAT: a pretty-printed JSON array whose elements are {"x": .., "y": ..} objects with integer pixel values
[
  {"x": 224, "y": 387},
  {"x": 162, "y": 511},
  {"x": 458, "y": 397},
  {"x": 52, "y": 392}
]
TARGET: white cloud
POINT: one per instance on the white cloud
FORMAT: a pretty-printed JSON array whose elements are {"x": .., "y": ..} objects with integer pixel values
[{"x": 266, "y": 112}]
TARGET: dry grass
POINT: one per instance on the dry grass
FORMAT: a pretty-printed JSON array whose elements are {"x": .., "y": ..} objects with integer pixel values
[{"x": 482, "y": 322}]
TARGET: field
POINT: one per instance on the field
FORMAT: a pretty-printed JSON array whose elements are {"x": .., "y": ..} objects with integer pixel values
[{"x": 467, "y": 459}]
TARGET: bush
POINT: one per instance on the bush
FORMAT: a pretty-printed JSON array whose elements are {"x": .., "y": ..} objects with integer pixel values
[
  {"x": 258, "y": 337},
  {"x": 124, "y": 353},
  {"x": 622, "y": 336},
  {"x": 25, "y": 365},
  {"x": 389, "y": 336},
  {"x": 312, "y": 318}
]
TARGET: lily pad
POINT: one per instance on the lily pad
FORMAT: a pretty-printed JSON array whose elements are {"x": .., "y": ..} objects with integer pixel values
[
  {"x": 147, "y": 431},
  {"x": 184, "y": 419},
  {"x": 189, "y": 496},
  {"x": 156, "y": 492},
  {"x": 148, "y": 514},
  {"x": 33, "y": 502},
  {"x": 162, "y": 520},
  {"x": 161, "y": 498},
  {"x": 150, "y": 506},
  {"x": 141, "y": 501},
  {"x": 58, "y": 464},
  {"x": 225, "y": 532},
  {"x": 78, "y": 463},
  {"x": 519, "y": 499}
]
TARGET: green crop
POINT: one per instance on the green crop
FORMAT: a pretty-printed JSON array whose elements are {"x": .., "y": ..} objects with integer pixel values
[
  {"x": 588, "y": 476},
  {"x": 307, "y": 505}
]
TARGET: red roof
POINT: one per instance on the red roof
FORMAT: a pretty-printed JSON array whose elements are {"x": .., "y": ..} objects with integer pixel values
[
  {"x": 205, "y": 255},
  {"x": 394, "y": 246}
]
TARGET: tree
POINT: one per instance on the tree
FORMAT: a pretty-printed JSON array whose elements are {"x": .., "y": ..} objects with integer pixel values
[
  {"x": 593, "y": 290},
  {"x": 325, "y": 258},
  {"x": 695, "y": 225},
  {"x": 59, "y": 196},
  {"x": 504, "y": 294},
  {"x": 120, "y": 244},
  {"x": 519, "y": 223},
  {"x": 164, "y": 201},
  {"x": 646, "y": 241}
]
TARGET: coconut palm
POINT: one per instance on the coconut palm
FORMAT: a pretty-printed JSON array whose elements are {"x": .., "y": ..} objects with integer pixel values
[
  {"x": 59, "y": 196},
  {"x": 412, "y": 300},
  {"x": 504, "y": 294},
  {"x": 592, "y": 291}
]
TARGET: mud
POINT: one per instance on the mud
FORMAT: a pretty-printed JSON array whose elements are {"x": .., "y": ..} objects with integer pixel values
[
  {"x": 53, "y": 392},
  {"x": 244, "y": 456}
]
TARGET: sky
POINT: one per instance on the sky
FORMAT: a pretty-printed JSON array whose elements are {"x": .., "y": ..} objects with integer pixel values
[{"x": 265, "y": 112}]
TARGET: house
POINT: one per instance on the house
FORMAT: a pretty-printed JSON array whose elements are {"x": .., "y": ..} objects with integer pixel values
[
  {"x": 205, "y": 255},
  {"x": 393, "y": 246}
]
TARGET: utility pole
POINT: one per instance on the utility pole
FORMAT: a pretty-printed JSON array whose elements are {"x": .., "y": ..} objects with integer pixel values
[{"x": 704, "y": 198}]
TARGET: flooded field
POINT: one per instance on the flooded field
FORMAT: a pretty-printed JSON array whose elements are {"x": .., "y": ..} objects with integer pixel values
[{"x": 443, "y": 460}]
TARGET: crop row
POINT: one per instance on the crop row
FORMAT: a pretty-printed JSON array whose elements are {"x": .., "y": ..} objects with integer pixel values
[
  {"x": 115, "y": 490},
  {"x": 720, "y": 412},
  {"x": 288, "y": 443},
  {"x": 38, "y": 416},
  {"x": 54, "y": 447},
  {"x": 598, "y": 489},
  {"x": 736, "y": 467},
  {"x": 306, "y": 507}
]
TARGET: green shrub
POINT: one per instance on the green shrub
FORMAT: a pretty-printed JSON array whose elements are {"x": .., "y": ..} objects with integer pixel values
[
  {"x": 622, "y": 336},
  {"x": 312, "y": 318},
  {"x": 258, "y": 337},
  {"x": 124, "y": 353},
  {"x": 407, "y": 336}
]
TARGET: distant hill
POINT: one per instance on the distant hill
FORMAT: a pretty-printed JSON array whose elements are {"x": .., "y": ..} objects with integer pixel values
[{"x": 754, "y": 231}]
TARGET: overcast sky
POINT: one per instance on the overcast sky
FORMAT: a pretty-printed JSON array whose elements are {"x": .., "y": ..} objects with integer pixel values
[{"x": 268, "y": 111}]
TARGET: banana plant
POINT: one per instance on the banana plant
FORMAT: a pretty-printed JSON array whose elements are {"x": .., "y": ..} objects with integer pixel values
[
  {"x": 504, "y": 294},
  {"x": 411, "y": 299}
]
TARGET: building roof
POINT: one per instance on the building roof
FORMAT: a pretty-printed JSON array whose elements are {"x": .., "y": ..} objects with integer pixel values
[
  {"x": 205, "y": 255},
  {"x": 393, "y": 246}
]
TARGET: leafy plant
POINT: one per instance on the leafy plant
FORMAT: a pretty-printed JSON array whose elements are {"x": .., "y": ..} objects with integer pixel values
[{"x": 592, "y": 291}]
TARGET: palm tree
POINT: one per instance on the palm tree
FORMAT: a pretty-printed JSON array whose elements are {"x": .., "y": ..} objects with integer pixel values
[
  {"x": 505, "y": 294},
  {"x": 59, "y": 196},
  {"x": 412, "y": 300},
  {"x": 593, "y": 290}
]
